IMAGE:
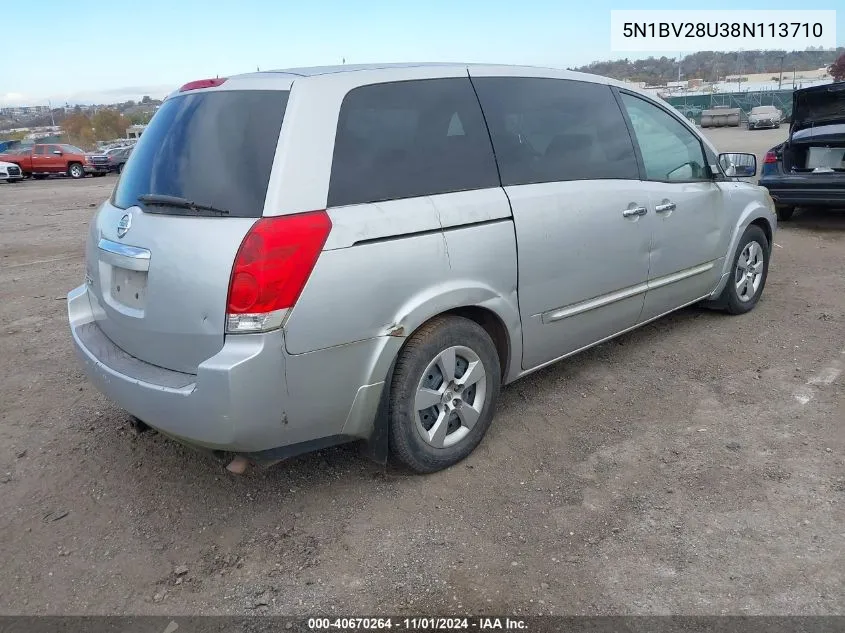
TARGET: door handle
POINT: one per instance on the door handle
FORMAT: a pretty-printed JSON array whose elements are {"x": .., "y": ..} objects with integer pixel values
[
  {"x": 666, "y": 206},
  {"x": 630, "y": 213}
]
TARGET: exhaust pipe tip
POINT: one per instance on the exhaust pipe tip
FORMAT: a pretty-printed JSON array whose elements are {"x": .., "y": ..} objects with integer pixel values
[{"x": 238, "y": 465}]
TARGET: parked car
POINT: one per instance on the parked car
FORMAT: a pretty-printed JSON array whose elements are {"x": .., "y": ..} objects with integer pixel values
[
  {"x": 808, "y": 169},
  {"x": 41, "y": 160},
  {"x": 110, "y": 160},
  {"x": 99, "y": 163},
  {"x": 764, "y": 116},
  {"x": 118, "y": 157},
  {"x": 10, "y": 172},
  {"x": 387, "y": 246}
]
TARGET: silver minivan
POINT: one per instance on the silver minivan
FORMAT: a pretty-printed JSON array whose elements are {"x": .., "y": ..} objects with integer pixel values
[{"x": 295, "y": 259}]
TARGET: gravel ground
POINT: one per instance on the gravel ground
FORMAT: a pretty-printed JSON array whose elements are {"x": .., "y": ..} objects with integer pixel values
[{"x": 694, "y": 466}]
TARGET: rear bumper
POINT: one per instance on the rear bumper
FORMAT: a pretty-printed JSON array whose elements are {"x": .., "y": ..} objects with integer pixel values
[
  {"x": 793, "y": 196},
  {"x": 250, "y": 397}
]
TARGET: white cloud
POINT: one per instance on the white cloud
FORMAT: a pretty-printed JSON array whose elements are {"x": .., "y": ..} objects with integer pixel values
[
  {"x": 12, "y": 99},
  {"x": 111, "y": 95}
]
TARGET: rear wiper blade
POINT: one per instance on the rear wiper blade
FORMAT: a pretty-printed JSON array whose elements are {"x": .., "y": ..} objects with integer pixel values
[{"x": 179, "y": 203}]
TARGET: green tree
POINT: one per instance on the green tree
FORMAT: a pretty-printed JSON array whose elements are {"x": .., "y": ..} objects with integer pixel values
[
  {"x": 140, "y": 118},
  {"x": 109, "y": 124},
  {"x": 77, "y": 127}
]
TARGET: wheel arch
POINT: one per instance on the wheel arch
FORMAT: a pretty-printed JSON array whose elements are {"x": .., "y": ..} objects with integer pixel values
[
  {"x": 753, "y": 214},
  {"x": 375, "y": 432},
  {"x": 767, "y": 230}
]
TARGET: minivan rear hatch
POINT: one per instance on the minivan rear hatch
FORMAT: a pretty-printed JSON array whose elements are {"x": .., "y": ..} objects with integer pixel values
[{"x": 160, "y": 252}]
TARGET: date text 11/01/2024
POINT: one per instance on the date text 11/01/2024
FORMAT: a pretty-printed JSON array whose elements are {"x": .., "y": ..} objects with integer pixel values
[
  {"x": 418, "y": 624},
  {"x": 722, "y": 29}
]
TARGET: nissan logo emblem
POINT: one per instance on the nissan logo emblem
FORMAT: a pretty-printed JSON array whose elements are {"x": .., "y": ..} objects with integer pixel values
[{"x": 124, "y": 225}]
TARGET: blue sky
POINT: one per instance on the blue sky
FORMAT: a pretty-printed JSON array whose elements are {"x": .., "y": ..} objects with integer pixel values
[{"x": 151, "y": 46}]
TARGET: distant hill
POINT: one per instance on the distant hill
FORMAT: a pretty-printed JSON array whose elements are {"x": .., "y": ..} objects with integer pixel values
[{"x": 711, "y": 65}]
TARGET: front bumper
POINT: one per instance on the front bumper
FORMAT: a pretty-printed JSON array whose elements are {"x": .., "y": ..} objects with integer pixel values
[
  {"x": 762, "y": 124},
  {"x": 96, "y": 169}
]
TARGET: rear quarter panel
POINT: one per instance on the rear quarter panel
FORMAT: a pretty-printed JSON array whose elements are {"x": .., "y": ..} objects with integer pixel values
[{"x": 390, "y": 267}]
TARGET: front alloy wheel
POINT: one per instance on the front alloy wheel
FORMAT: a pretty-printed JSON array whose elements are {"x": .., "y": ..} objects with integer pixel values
[{"x": 749, "y": 271}]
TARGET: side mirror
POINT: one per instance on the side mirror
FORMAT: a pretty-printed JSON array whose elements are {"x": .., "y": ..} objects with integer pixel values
[
  {"x": 57, "y": 152},
  {"x": 738, "y": 165}
]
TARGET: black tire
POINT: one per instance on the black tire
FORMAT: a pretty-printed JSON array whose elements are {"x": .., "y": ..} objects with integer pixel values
[
  {"x": 425, "y": 346},
  {"x": 76, "y": 171},
  {"x": 119, "y": 169},
  {"x": 784, "y": 213},
  {"x": 730, "y": 300}
]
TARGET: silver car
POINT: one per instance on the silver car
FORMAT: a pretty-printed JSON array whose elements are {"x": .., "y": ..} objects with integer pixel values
[
  {"x": 295, "y": 259},
  {"x": 764, "y": 116}
]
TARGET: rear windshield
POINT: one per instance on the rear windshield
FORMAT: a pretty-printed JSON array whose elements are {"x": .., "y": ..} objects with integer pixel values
[{"x": 212, "y": 148}]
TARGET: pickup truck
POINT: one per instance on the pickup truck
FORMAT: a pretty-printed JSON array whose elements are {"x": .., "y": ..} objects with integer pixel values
[{"x": 41, "y": 160}]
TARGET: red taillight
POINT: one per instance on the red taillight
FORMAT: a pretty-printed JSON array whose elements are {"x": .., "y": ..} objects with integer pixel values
[
  {"x": 771, "y": 157},
  {"x": 202, "y": 83},
  {"x": 272, "y": 265}
]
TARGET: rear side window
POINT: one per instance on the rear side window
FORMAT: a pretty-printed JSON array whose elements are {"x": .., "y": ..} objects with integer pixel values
[
  {"x": 547, "y": 130},
  {"x": 410, "y": 138},
  {"x": 213, "y": 148}
]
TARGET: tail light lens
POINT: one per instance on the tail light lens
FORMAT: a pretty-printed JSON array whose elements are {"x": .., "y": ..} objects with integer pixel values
[
  {"x": 771, "y": 157},
  {"x": 273, "y": 263},
  {"x": 203, "y": 83}
]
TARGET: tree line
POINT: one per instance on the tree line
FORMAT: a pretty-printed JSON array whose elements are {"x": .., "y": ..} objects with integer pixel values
[{"x": 713, "y": 65}]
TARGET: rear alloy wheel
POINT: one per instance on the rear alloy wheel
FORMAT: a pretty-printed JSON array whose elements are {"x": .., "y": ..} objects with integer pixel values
[
  {"x": 443, "y": 395},
  {"x": 750, "y": 269},
  {"x": 784, "y": 213},
  {"x": 75, "y": 171}
]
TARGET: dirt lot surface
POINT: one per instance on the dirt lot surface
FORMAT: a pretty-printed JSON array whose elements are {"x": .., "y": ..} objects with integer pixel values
[{"x": 694, "y": 466}]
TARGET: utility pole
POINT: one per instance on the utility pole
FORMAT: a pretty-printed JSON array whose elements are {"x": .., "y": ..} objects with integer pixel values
[{"x": 780, "y": 79}]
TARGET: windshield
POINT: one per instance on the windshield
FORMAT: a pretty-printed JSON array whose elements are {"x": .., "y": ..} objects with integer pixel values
[
  {"x": 763, "y": 110},
  {"x": 211, "y": 148},
  {"x": 71, "y": 149}
]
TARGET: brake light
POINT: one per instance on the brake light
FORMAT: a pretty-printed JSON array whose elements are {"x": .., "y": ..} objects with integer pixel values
[
  {"x": 273, "y": 263},
  {"x": 202, "y": 83},
  {"x": 771, "y": 157}
]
